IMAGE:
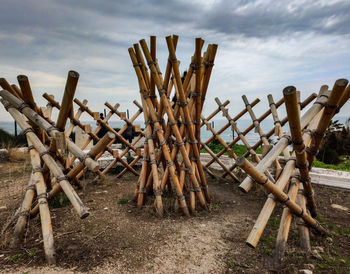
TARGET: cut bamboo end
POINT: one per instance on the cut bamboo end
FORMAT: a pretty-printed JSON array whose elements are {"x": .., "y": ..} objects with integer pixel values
[
  {"x": 341, "y": 83},
  {"x": 289, "y": 90},
  {"x": 73, "y": 74},
  {"x": 22, "y": 78}
]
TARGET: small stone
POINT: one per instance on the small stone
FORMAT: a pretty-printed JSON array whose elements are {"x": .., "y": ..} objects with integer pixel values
[
  {"x": 316, "y": 254},
  {"x": 342, "y": 261},
  {"x": 339, "y": 207},
  {"x": 329, "y": 239},
  {"x": 2, "y": 255},
  {"x": 319, "y": 249},
  {"x": 305, "y": 271},
  {"x": 129, "y": 211},
  {"x": 309, "y": 266},
  {"x": 3, "y": 208},
  {"x": 106, "y": 208},
  {"x": 4, "y": 155}
]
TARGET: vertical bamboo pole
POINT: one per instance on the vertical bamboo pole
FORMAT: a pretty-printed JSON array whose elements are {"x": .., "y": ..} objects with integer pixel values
[
  {"x": 45, "y": 217},
  {"x": 293, "y": 112},
  {"x": 27, "y": 93},
  {"x": 304, "y": 232},
  {"x": 24, "y": 213},
  {"x": 67, "y": 100},
  {"x": 330, "y": 109},
  {"x": 192, "y": 138}
]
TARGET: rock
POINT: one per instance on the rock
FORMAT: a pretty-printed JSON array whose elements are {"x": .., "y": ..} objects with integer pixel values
[
  {"x": 320, "y": 249},
  {"x": 3, "y": 208},
  {"x": 106, "y": 208},
  {"x": 4, "y": 155},
  {"x": 342, "y": 261},
  {"x": 339, "y": 207},
  {"x": 316, "y": 254},
  {"x": 305, "y": 271},
  {"x": 309, "y": 266},
  {"x": 329, "y": 239}
]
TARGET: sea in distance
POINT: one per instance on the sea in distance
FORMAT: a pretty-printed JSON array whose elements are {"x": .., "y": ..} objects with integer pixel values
[{"x": 217, "y": 124}]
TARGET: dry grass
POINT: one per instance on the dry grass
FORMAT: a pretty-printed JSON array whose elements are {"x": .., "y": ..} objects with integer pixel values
[{"x": 18, "y": 154}]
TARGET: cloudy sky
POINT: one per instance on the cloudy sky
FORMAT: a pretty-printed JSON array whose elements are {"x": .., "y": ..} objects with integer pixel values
[{"x": 264, "y": 46}]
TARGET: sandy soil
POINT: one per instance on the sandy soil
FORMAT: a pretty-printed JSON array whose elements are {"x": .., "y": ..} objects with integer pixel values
[{"x": 119, "y": 238}]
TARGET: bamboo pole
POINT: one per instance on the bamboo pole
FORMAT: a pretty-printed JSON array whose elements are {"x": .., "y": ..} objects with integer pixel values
[
  {"x": 280, "y": 195},
  {"x": 285, "y": 140},
  {"x": 5, "y": 85},
  {"x": 23, "y": 214},
  {"x": 45, "y": 218},
  {"x": 44, "y": 154},
  {"x": 212, "y": 154},
  {"x": 69, "y": 131},
  {"x": 27, "y": 93},
  {"x": 293, "y": 112},
  {"x": 330, "y": 109},
  {"x": 304, "y": 232},
  {"x": 286, "y": 220},
  {"x": 277, "y": 123},
  {"x": 198, "y": 88},
  {"x": 67, "y": 100},
  {"x": 216, "y": 111},
  {"x": 57, "y": 188},
  {"x": 152, "y": 156}
]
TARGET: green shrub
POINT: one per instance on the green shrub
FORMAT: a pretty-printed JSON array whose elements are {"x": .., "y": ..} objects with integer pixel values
[{"x": 8, "y": 140}]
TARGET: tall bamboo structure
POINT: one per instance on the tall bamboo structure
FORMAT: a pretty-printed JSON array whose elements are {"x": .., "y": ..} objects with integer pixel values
[{"x": 177, "y": 133}]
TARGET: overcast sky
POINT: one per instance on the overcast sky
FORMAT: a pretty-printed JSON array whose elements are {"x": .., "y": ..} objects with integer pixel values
[{"x": 264, "y": 46}]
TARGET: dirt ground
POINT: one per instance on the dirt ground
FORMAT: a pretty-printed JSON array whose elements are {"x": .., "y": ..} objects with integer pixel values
[{"x": 119, "y": 238}]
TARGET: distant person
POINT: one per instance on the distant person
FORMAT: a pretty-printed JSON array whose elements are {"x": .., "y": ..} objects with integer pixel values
[
  {"x": 128, "y": 134},
  {"x": 102, "y": 132}
]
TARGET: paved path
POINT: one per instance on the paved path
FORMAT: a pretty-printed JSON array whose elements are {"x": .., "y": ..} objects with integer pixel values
[{"x": 321, "y": 176}]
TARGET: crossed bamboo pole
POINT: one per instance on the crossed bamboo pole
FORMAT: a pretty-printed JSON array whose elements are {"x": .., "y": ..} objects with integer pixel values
[
  {"x": 93, "y": 136},
  {"x": 285, "y": 140}
]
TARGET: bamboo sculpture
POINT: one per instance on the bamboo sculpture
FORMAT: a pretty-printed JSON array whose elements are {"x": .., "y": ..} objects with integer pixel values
[
  {"x": 171, "y": 163},
  {"x": 181, "y": 133},
  {"x": 48, "y": 178}
]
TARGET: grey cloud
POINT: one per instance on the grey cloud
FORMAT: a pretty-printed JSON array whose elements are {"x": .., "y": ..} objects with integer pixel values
[{"x": 274, "y": 18}]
